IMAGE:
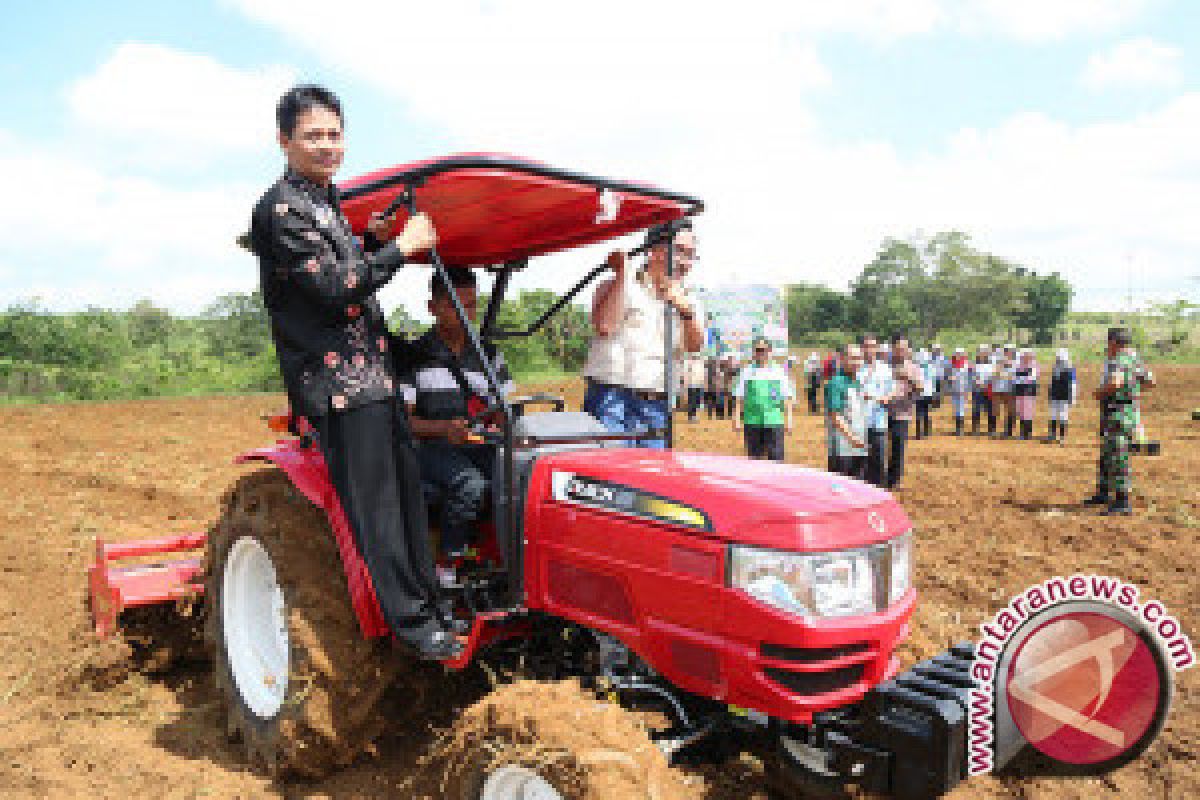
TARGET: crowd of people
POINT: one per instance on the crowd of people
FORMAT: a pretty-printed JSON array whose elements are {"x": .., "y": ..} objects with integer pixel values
[{"x": 999, "y": 387}]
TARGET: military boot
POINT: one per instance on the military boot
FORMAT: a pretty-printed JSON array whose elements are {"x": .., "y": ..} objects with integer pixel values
[
  {"x": 1100, "y": 498},
  {"x": 1062, "y": 432},
  {"x": 1052, "y": 431},
  {"x": 1120, "y": 505}
]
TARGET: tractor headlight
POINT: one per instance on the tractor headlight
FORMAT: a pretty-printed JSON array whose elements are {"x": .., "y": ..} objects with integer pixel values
[{"x": 837, "y": 584}]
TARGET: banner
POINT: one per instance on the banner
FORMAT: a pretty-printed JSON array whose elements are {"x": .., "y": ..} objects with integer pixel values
[{"x": 736, "y": 316}]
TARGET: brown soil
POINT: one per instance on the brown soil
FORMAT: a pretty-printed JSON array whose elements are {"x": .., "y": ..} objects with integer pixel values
[{"x": 993, "y": 517}]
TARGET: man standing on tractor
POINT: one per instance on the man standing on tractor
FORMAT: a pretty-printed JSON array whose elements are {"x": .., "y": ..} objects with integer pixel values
[
  {"x": 446, "y": 385},
  {"x": 629, "y": 314},
  {"x": 1118, "y": 396},
  {"x": 335, "y": 353},
  {"x": 765, "y": 394}
]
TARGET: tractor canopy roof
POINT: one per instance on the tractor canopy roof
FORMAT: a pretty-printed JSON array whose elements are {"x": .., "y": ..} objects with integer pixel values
[{"x": 493, "y": 209}]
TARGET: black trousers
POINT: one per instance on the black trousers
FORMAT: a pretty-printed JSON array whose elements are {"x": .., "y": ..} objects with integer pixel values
[
  {"x": 924, "y": 425},
  {"x": 764, "y": 441},
  {"x": 850, "y": 466},
  {"x": 897, "y": 439},
  {"x": 876, "y": 468},
  {"x": 714, "y": 403},
  {"x": 372, "y": 464},
  {"x": 695, "y": 397},
  {"x": 812, "y": 391}
]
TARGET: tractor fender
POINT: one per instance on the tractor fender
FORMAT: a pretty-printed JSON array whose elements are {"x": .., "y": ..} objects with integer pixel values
[{"x": 305, "y": 468}]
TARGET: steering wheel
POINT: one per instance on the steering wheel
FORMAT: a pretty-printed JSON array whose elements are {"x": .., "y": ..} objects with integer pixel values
[{"x": 478, "y": 422}]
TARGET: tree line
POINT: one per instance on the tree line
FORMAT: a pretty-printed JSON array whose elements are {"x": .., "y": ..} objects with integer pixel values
[
  {"x": 914, "y": 288},
  {"x": 145, "y": 351},
  {"x": 922, "y": 288}
]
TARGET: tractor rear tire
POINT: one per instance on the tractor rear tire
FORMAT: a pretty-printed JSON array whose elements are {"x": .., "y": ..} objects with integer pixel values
[
  {"x": 300, "y": 683},
  {"x": 552, "y": 740}
]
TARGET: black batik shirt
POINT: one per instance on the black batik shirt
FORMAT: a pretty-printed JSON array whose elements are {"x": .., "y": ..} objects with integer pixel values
[
  {"x": 318, "y": 285},
  {"x": 431, "y": 387}
]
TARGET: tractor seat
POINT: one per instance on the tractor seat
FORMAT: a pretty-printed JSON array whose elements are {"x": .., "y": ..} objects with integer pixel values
[{"x": 558, "y": 423}]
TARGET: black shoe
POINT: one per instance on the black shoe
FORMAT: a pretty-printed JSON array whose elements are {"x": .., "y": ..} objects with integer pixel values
[
  {"x": 441, "y": 645},
  {"x": 1026, "y": 430},
  {"x": 1098, "y": 499},
  {"x": 1062, "y": 433},
  {"x": 1120, "y": 505}
]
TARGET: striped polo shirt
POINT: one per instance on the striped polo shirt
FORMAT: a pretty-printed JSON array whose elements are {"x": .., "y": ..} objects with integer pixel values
[{"x": 430, "y": 388}]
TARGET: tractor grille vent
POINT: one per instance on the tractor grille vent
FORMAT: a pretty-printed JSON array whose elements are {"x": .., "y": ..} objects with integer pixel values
[
  {"x": 811, "y": 655},
  {"x": 812, "y": 683}
]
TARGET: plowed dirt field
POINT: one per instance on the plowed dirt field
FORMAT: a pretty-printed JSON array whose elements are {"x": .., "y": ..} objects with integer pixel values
[{"x": 993, "y": 518}]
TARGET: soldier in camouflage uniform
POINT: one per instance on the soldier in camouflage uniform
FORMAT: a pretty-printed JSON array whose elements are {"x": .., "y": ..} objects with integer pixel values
[{"x": 1118, "y": 395}]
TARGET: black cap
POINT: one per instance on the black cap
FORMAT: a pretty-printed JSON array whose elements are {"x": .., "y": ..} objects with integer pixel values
[
  {"x": 661, "y": 233},
  {"x": 1121, "y": 336}
]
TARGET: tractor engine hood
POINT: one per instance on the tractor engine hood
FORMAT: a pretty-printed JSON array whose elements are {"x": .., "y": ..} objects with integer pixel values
[{"x": 759, "y": 503}]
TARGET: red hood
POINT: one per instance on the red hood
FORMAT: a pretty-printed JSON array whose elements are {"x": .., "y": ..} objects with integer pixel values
[{"x": 761, "y": 503}]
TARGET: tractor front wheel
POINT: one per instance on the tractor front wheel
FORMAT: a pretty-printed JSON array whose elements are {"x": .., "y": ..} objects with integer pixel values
[
  {"x": 552, "y": 741},
  {"x": 300, "y": 684}
]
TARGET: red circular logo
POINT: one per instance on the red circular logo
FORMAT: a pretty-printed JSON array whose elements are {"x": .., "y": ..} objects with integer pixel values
[{"x": 1085, "y": 688}]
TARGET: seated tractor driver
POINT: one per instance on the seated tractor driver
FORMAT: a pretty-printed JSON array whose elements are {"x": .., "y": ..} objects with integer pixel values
[{"x": 445, "y": 384}]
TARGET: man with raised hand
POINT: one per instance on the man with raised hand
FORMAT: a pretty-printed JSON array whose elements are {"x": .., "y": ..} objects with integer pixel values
[{"x": 335, "y": 352}]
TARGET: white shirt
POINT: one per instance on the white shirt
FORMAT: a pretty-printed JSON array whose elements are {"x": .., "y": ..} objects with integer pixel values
[
  {"x": 606, "y": 358},
  {"x": 876, "y": 380},
  {"x": 981, "y": 375},
  {"x": 634, "y": 356}
]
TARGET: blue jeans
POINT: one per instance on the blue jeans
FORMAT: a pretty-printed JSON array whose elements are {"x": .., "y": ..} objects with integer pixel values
[
  {"x": 608, "y": 404},
  {"x": 621, "y": 411},
  {"x": 644, "y": 415},
  {"x": 462, "y": 476}
]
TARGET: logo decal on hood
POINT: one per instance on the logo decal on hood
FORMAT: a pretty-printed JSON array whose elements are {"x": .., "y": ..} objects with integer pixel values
[{"x": 581, "y": 490}]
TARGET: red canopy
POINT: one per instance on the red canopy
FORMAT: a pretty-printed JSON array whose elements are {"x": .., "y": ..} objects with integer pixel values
[{"x": 490, "y": 209}]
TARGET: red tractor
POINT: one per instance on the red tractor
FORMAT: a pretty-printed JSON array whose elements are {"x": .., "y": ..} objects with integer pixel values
[{"x": 759, "y": 604}]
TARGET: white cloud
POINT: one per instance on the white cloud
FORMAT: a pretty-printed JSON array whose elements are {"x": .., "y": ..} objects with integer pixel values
[
  {"x": 1136, "y": 63},
  {"x": 82, "y": 235},
  {"x": 1046, "y": 20},
  {"x": 157, "y": 94}
]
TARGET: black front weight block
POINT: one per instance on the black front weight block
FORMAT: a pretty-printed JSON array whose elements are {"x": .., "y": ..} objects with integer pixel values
[{"x": 909, "y": 739}]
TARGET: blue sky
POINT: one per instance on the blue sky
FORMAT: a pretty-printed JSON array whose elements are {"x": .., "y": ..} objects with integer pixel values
[{"x": 1062, "y": 133}]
